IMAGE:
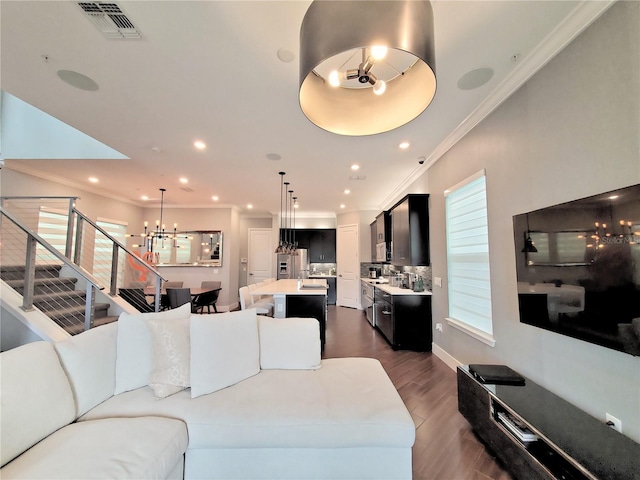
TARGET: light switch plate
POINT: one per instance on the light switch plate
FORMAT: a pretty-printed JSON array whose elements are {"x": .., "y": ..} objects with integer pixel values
[{"x": 437, "y": 281}]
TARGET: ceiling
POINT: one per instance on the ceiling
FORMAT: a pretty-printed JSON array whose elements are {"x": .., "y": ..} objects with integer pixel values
[{"x": 210, "y": 71}]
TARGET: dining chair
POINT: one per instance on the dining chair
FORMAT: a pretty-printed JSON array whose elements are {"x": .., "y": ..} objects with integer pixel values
[
  {"x": 178, "y": 297},
  {"x": 164, "y": 300},
  {"x": 137, "y": 298},
  {"x": 207, "y": 299}
]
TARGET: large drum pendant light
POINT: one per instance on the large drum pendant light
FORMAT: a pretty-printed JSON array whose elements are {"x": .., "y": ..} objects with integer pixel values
[{"x": 345, "y": 87}]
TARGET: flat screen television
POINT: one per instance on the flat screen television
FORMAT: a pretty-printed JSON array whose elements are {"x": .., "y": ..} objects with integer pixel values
[{"x": 578, "y": 268}]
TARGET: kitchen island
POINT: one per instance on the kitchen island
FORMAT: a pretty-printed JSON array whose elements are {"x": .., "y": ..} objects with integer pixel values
[{"x": 298, "y": 298}]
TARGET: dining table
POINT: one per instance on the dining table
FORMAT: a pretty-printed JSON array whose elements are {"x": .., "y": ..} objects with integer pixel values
[{"x": 195, "y": 291}]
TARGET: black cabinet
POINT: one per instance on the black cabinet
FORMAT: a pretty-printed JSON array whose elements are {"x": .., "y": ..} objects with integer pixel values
[
  {"x": 538, "y": 435},
  {"x": 404, "y": 320},
  {"x": 381, "y": 238},
  {"x": 322, "y": 245},
  {"x": 332, "y": 293},
  {"x": 374, "y": 232},
  {"x": 383, "y": 228},
  {"x": 410, "y": 231}
]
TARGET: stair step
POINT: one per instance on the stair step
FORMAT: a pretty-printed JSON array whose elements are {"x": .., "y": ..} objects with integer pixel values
[
  {"x": 78, "y": 326},
  {"x": 15, "y": 272},
  {"x": 44, "y": 285}
]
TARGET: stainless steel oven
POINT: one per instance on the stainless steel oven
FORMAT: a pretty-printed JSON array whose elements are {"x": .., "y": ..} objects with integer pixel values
[{"x": 368, "y": 295}]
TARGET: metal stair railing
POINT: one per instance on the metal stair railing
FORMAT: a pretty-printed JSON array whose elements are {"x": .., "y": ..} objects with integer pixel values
[
  {"x": 116, "y": 248},
  {"x": 85, "y": 243},
  {"x": 39, "y": 256}
]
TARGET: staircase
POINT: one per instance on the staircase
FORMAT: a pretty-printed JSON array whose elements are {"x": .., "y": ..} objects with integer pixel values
[{"x": 56, "y": 297}]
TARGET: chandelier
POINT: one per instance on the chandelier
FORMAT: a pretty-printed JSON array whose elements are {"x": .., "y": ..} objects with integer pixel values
[{"x": 158, "y": 238}]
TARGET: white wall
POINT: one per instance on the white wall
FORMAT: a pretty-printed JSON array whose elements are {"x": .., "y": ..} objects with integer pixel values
[{"x": 572, "y": 131}]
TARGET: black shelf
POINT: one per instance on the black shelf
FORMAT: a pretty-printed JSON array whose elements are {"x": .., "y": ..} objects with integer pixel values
[{"x": 570, "y": 443}]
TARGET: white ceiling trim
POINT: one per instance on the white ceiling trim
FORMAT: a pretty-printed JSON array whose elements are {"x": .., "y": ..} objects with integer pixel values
[{"x": 575, "y": 23}]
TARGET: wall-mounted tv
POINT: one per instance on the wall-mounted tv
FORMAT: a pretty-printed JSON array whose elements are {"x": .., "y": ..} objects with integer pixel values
[{"x": 578, "y": 268}]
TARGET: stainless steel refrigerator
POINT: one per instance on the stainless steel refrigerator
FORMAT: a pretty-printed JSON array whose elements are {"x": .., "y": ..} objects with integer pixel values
[{"x": 293, "y": 266}]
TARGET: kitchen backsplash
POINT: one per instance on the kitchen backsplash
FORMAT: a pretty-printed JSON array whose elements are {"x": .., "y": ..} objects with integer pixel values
[
  {"x": 424, "y": 272},
  {"x": 322, "y": 269}
]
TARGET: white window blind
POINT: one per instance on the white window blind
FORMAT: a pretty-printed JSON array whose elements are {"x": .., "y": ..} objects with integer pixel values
[
  {"x": 52, "y": 226},
  {"x": 468, "y": 258},
  {"x": 103, "y": 251}
]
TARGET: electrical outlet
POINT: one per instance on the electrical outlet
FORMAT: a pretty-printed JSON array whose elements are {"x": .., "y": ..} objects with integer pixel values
[
  {"x": 437, "y": 281},
  {"x": 614, "y": 422},
  {"x": 439, "y": 327}
]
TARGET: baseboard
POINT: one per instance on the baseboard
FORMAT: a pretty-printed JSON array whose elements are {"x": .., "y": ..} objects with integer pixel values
[{"x": 445, "y": 357}]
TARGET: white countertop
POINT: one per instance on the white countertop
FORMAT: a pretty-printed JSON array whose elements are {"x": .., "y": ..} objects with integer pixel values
[
  {"x": 290, "y": 287},
  {"x": 320, "y": 275},
  {"x": 385, "y": 287}
]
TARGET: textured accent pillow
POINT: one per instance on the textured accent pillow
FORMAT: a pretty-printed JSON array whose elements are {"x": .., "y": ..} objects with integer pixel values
[
  {"x": 134, "y": 350},
  {"x": 224, "y": 350},
  {"x": 289, "y": 343},
  {"x": 170, "y": 363}
]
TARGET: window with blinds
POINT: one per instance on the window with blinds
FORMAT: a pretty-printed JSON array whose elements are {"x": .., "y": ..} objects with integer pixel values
[
  {"x": 468, "y": 258},
  {"x": 52, "y": 227},
  {"x": 103, "y": 251}
]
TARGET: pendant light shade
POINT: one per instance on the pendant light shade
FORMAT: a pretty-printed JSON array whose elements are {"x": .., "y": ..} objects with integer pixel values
[
  {"x": 529, "y": 247},
  {"x": 280, "y": 247},
  {"x": 366, "y": 67}
]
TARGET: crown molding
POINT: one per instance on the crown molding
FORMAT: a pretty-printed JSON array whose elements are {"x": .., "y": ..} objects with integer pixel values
[{"x": 583, "y": 15}]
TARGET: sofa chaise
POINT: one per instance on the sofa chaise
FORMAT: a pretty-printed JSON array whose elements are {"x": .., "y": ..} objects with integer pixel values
[{"x": 174, "y": 395}]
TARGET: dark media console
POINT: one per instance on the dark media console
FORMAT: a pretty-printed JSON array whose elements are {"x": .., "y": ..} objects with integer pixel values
[{"x": 538, "y": 435}]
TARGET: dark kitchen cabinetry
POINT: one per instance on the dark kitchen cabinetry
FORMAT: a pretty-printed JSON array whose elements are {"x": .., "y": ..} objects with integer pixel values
[
  {"x": 322, "y": 246},
  {"x": 381, "y": 238},
  {"x": 404, "y": 320},
  {"x": 383, "y": 228},
  {"x": 374, "y": 233},
  {"x": 410, "y": 231},
  {"x": 320, "y": 242}
]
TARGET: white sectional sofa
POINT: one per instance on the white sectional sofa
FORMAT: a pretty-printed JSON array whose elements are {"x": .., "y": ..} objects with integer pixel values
[{"x": 257, "y": 403}]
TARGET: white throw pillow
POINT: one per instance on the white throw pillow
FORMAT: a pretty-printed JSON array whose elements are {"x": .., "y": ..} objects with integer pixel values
[
  {"x": 289, "y": 343},
  {"x": 170, "y": 364},
  {"x": 134, "y": 350},
  {"x": 224, "y": 350}
]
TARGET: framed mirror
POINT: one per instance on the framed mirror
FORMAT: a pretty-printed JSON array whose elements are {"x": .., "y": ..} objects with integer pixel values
[{"x": 192, "y": 248}]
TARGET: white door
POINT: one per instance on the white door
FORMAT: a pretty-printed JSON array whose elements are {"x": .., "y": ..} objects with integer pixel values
[
  {"x": 348, "y": 266},
  {"x": 260, "y": 262}
]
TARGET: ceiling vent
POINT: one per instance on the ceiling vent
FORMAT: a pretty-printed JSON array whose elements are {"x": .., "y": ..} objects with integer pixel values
[
  {"x": 187, "y": 189},
  {"x": 110, "y": 19}
]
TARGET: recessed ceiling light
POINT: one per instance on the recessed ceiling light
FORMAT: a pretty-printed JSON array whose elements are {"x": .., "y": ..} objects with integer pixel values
[
  {"x": 144, "y": 197},
  {"x": 347, "y": 191},
  {"x": 199, "y": 144},
  {"x": 342, "y": 205},
  {"x": 249, "y": 206},
  {"x": 93, "y": 179},
  {"x": 404, "y": 145},
  {"x": 215, "y": 198},
  {"x": 184, "y": 180},
  {"x": 355, "y": 167}
]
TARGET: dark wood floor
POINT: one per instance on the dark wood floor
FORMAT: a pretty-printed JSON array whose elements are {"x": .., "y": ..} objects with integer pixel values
[{"x": 445, "y": 448}]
